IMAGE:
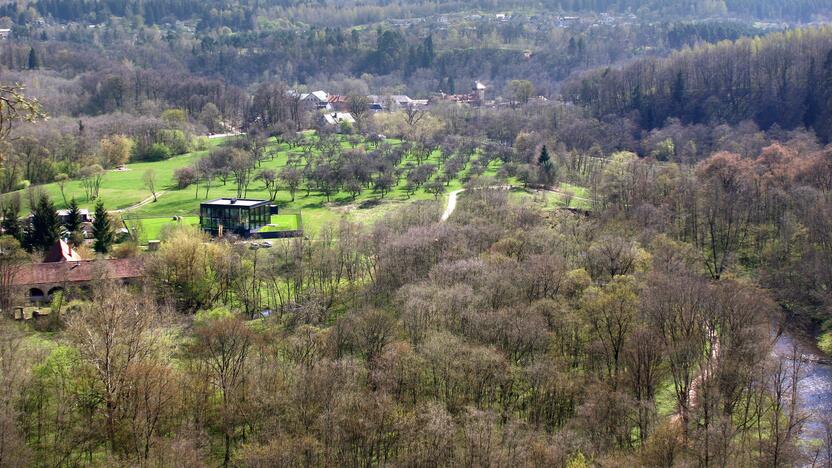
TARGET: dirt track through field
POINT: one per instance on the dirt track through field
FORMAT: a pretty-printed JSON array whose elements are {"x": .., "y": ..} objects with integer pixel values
[
  {"x": 449, "y": 209},
  {"x": 140, "y": 204}
]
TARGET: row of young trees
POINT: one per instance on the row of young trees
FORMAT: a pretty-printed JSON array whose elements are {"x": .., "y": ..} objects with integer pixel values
[{"x": 321, "y": 164}]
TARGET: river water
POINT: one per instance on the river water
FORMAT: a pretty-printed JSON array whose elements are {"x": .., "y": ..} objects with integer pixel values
[{"x": 815, "y": 387}]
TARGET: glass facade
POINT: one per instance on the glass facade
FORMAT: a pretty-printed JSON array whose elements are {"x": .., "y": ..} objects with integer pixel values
[{"x": 239, "y": 219}]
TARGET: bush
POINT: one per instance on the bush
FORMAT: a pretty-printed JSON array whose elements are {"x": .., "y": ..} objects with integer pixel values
[
  {"x": 825, "y": 343},
  {"x": 174, "y": 140},
  {"x": 155, "y": 152},
  {"x": 126, "y": 250},
  {"x": 184, "y": 176}
]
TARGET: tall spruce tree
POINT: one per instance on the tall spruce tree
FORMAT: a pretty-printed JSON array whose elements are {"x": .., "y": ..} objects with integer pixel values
[
  {"x": 73, "y": 223},
  {"x": 45, "y": 228},
  {"x": 10, "y": 224},
  {"x": 34, "y": 61},
  {"x": 102, "y": 229},
  {"x": 547, "y": 169}
]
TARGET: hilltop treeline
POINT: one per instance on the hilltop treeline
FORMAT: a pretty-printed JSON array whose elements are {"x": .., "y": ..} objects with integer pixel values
[
  {"x": 242, "y": 13},
  {"x": 782, "y": 79}
]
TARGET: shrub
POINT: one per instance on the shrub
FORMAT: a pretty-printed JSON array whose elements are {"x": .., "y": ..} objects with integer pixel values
[
  {"x": 126, "y": 250},
  {"x": 175, "y": 140},
  {"x": 156, "y": 152},
  {"x": 184, "y": 176},
  {"x": 825, "y": 343}
]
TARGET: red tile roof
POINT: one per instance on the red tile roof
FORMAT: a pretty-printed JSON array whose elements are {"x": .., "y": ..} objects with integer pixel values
[
  {"x": 61, "y": 252},
  {"x": 79, "y": 272}
]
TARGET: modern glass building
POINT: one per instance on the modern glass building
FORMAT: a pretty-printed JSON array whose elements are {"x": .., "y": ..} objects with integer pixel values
[{"x": 238, "y": 216}]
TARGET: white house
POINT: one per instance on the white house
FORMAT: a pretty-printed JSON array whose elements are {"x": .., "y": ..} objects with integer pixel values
[
  {"x": 315, "y": 100},
  {"x": 84, "y": 213},
  {"x": 337, "y": 118}
]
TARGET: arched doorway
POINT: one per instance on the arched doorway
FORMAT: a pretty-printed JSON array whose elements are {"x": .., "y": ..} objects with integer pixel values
[
  {"x": 36, "y": 295},
  {"x": 53, "y": 291}
]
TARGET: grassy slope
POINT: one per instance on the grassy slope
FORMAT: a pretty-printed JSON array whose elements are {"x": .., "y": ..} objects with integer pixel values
[{"x": 124, "y": 189}]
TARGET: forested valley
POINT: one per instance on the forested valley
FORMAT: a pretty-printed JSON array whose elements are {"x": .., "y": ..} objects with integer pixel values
[{"x": 410, "y": 233}]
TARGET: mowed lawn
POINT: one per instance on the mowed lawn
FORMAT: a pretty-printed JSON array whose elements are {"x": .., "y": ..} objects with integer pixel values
[
  {"x": 124, "y": 188},
  {"x": 153, "y": 228},
  {"x": 283, "y": 222}
]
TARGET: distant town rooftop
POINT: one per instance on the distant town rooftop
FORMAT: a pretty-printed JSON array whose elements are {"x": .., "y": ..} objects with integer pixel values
[{"x": 244, "y": 202}]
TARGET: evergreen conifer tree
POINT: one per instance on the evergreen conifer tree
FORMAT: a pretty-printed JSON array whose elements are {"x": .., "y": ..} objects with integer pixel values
[
  {"x": 546, "y": 167},
  {"x": 34, "y": 60},
  {"x": 73, "y": 223},
  {"x": 102, "y": 229},
  {"x": 10, "y": 223},
  {"x": 45, "y": 229}
]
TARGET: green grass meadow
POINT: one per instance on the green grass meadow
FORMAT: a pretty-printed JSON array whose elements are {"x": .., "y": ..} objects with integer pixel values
[{"x": 125, "y": 189}]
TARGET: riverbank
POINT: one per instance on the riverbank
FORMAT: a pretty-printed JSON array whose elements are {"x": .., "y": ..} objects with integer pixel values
[{"x": 815, "y": 385}]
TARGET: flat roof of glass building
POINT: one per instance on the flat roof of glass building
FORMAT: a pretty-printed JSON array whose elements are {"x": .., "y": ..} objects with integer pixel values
[{"x": 242, "y": 202}]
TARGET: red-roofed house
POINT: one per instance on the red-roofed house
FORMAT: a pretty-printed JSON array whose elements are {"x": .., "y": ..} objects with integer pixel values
[
  {"x": 45, "y": 279},
  {"x": 338, "y": 103},
  {"x": 61, "y": 252}
]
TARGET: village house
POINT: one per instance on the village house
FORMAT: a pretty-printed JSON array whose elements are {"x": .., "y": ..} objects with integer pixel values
[
  {"x": 477, "y": 97},
  {"x": 84, "y": 213},
  {"x": 338, "y": 118},
  {"x": 316, "y": 100},
  {"x": 61, "y": 251},
  {"x": 394, "y": 102},
  {"x": 63, "y": 268},
  {"x": 338, "y": 103}
]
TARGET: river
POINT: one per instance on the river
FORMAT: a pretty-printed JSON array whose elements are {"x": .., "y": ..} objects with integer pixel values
[{"x": 815, "y": 387}]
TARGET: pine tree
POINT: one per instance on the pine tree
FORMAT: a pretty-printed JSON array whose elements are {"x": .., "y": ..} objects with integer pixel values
[
  {"x": 544, "y": 159},
  {"x": 11, "y": 223},
  {"x": 73, "y": 218},
  {"x": 102, "y": 229},
  {"x": 34, "y": 61},
  {"x": 428, "y": 52},
  {"x": 546, "y": 166},
  {"x": 46, "y": 226}
]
